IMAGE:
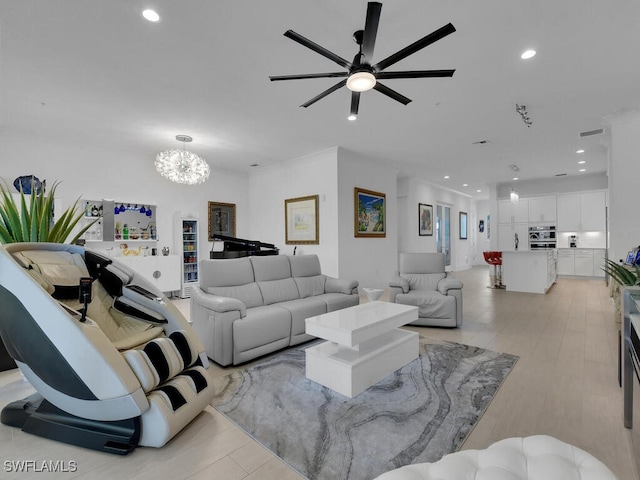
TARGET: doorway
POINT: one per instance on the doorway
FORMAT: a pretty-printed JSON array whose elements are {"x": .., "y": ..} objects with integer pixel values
[{"x": 443, "y": 233}]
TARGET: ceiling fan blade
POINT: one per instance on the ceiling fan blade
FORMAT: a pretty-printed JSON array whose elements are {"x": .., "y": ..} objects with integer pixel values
[
  {"x": 391, "y": 93},
  {"x": 325, "y": 93},
  {"x": 371, "y": 29},
  {"x": 414, "y": 47},
  {"x": 274, "y": 78},
  {"x": 416, "y": 74},
  {"x": 355, "y": 103},
  {"x": 296, "y": 37}
]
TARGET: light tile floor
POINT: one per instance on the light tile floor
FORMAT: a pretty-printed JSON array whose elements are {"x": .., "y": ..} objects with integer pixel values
[{"x": 565, "y": 385}]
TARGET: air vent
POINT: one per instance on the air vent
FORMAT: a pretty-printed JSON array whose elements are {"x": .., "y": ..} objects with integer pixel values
[
  {"x": 480, "y": 142},
  {"x": 599, "y": 131},
  {"x": 514, "y": 168},
  {"x": 561, "y": 174}
]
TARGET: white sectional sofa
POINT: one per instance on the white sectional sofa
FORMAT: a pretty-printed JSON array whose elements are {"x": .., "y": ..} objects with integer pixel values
[{"x": 248, "y": 307}]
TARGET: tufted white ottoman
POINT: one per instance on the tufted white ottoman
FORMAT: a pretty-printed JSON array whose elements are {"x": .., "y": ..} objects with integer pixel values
[{"x": 539, "y": 457}]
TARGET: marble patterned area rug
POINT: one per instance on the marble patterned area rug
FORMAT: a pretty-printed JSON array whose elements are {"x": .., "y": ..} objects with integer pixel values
[{"x": 417, "y": 414}]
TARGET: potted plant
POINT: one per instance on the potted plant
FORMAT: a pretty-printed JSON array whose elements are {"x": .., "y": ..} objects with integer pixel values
[
  {"x": 621, "y": 274},
  {"x": 31, "y": 219}
]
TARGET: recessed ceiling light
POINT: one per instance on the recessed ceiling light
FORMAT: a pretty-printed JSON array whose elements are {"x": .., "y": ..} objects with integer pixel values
[
  {"x": 478, "y": 191},
  {"x": 151, "y": 15},
  {"x": 465, "y": 184},
  {"x": 580, "y": 151},
  {"x": 351, "y": 118},
  {"x": 527, "y": 54},
  {"x": 447, "y": 177},
  {"x": 583, "y": 170},
  {"x": 515, "y": 178},
  {"x": 582, "y": 162}
]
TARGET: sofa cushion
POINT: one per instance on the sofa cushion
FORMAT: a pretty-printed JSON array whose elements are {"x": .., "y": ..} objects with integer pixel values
[
  {"x": 421, "y": 262},
  {"x": 310, "y": 286},
  {"x": 271, "y": 267},
  {"x": 226, "y": 273},
  {"x": 248, "y": 294},
  {"x": 302, "y": 309},
  {"x": 275, "y": 291},
  {"x": 423, "y": 281},
  {"x": 304, "y": 265},
  {"x": 431, "y": 304},
  {"x": 261, "y": 326},
  {"x": 337, "y": 301}
]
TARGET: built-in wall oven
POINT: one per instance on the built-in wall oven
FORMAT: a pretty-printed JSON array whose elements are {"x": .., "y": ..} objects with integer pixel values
[{"x": 542, "y": 237}]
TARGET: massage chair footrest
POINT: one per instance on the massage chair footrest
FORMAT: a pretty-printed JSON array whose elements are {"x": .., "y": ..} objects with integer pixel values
[{"x": 37, "y": 416}]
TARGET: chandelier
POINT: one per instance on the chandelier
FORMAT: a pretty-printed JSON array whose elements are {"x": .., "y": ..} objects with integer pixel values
[{"x": 182, "y": 166}]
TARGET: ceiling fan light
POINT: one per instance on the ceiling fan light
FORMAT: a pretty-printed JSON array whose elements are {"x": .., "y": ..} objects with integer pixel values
[{"x": 361, "y": 81}]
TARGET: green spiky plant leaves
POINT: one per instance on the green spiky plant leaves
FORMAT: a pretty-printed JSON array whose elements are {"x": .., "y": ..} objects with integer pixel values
[
  {"x": 30, "y": 218},
  {"x": 621, "y": 274}
]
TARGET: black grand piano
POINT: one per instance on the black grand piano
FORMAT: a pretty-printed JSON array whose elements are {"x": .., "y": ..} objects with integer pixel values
[{"x": 238, "y": 247}]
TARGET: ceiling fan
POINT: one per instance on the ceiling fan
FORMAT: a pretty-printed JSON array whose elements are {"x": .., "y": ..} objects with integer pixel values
[{"x": 361, "y": 74}]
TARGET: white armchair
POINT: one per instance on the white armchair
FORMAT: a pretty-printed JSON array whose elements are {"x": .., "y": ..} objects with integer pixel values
[{"x": 422, "y": 281}]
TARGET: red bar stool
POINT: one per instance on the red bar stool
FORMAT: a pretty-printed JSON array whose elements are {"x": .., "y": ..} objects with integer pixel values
[{"x": 495, "y": 259}]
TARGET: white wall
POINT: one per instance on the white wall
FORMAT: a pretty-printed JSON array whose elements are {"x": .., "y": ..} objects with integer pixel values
[
  {"x": 570, "y": 183},
  {"x": 413, "y": 191},
  {"x": 624, "y": 169},
  {"x": 314, "y": 174},
  {"x": 483, "y": 243},
  {"x": 371, "y": 261},
  {"x": 97, "y": 172}
]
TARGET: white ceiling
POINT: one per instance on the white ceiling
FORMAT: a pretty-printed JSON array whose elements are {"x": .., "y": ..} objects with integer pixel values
[{"x": 96, "y": 72}]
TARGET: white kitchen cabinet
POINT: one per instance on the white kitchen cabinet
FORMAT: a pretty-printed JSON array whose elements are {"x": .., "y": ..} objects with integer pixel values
[
  {"x": 513, "y": 212},
  {"x": 583, "y": 263},
  {"x": 566, "y": 262},
  {"x": 569, "y": 212},
  {"x": 531, "y": 272},
  {"x": 593, "y": 211},
  {"x": 598, "y": 262},
  {"x": 542, "y": 210},
  {"x": 162, "y": 271},
  {"x": 582, "y": 212},
  {"x": 506, "y": 237}
]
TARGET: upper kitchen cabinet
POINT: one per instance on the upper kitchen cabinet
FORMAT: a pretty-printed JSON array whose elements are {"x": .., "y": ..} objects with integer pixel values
[
  {"x": 513, "y": 212},
  {"x": 582, "y": 212},
  {"x": 542, "y": 210}
]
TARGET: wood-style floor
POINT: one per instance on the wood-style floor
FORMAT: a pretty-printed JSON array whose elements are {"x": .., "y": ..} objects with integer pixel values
[{"x": 565, "y": 385}]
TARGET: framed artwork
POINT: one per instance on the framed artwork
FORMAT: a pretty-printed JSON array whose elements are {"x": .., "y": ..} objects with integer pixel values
[
  {"x": 425, "y": 220},
  {"x": 222, "y": 219},
  {"x": 463, "y": 225},
  {"x": 369, "y": 213},
  {"x": 302, "y": 221}
]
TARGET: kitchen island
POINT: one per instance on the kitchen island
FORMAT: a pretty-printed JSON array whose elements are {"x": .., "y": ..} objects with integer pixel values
[{"x": 532, "y": 271}]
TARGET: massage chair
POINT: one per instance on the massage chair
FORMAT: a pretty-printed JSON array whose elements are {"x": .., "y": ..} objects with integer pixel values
[{"x": 114, "y": 363}]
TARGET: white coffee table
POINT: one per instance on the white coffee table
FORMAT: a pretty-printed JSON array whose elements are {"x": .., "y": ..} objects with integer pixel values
[{"x": 364, "y": 345}]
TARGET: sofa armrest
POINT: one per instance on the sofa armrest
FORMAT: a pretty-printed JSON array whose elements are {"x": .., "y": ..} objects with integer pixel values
[
  {"x": 212, "y": 318},
  {"x": 219, "y": 304},
  {"x": 340, "y": 285},
  {"x": 393, "y": 293},
  {"x": 449, "y": 283},
  {"x": 398, "y": 282}
]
